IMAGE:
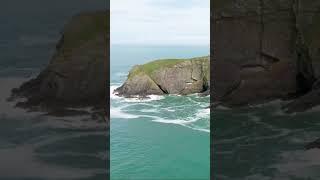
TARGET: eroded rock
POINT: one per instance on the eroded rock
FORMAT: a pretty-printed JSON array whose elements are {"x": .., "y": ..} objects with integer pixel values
[
  {"x": 173, "y": 76},
  {"x": 269, "y": 50}
]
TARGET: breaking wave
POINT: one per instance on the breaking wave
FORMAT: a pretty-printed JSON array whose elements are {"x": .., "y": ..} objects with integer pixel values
[{"x": 187, "y": 111}]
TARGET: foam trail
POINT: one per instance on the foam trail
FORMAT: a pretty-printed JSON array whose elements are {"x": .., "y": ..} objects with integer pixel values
[
  {"x": 184, "y": 123},
  {"x": 150, "y": 98},
  {"x": 169, "y": 109},
  {"x": 203, "y": 113},
  {"x": 202, "y": 129},
  {"x": 149, "y": 110},
  {"x": 118, "y": 113},
  {"x": 171, "y": 121}
]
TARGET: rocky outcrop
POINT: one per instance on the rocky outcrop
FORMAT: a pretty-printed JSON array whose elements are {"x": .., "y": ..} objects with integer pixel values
[
  {"x": 313, "y": 145},
  {"x": 268, "y": 49},
  {"x": 170, "y": 76},
  {"x": 306, "y": 101},
  {"x": 76, "y": 75}
]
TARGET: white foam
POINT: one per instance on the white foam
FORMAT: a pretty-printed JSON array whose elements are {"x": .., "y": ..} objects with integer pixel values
[
  {"x": 203, "y": 113},
  {"x": 202, "y": 129},
  {"x": 149, "y": 110},
  {"x": 117, "y": 112},
  {"x": 148, "y": 99},
  {"x": 112, "y": 94},
  {"x": 172, "y": 121},
  {"x": 133, "y": 99},
  {"x": 189, "y": 123},
  {"x": 185, "y": 123},
  {"x": 170, "y": 109}
]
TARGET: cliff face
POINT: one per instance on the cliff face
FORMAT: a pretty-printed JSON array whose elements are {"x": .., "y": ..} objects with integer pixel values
[
  {"x": 171, "y": 76},
  {"x": 77, "y": 73},
  {"x": 269, "y": 49}
]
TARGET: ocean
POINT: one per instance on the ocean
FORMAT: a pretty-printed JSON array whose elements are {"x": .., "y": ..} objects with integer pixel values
[
  {"x": 164, "y": 137},
  {"x": 263, "y": 143},
  {"x": 33, "y": 145}
]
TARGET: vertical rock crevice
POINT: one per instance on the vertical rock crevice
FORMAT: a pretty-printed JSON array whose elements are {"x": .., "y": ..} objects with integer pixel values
[{"x": 304, "y": 70}]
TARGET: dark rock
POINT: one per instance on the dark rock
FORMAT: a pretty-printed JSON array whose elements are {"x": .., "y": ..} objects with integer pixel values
[
  {"x": 226, "y": 79},
  {"x": 173, "y": 76},
  {"x": 267, "y": 50},
  {"x": 313, "y": 145},
  {"x": 76, "y": 74},
  {"x": 205, "y": 93},
  {"x": 303, "y": 103},
  {"x": 316, "y": 85}
]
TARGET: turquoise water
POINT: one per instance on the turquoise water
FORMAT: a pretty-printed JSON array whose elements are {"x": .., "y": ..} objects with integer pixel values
[{"x": 165, "y": 137}]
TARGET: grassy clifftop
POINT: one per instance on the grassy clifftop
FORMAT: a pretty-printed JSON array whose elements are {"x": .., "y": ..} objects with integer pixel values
[
  {"x": 151, "y": 67},
  {"x": 76, "y": 74},
  {"x": 84, "y": 27},
  {"x": 168, "y": 76}
]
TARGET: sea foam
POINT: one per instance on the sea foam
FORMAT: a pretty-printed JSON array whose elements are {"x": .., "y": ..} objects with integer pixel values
[
  {"x": 154, "y": 111},
  {"x": 133, "y": 99},
  {"x": 117, "y": 112}
]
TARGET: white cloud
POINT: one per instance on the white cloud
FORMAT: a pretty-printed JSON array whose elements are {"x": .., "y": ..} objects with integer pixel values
[{"x": 160, "y": 22}]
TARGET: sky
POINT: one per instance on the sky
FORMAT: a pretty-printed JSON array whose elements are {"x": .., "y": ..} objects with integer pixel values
[{"x": 160, "y": 22}]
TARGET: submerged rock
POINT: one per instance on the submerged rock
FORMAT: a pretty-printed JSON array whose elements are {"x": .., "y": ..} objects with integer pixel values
[
  {"x": 76, "y": 75},
  {"x": 303, "y": 103},
  {"x": 170, "y": 76},
  {"x": 313, "y": 145}
]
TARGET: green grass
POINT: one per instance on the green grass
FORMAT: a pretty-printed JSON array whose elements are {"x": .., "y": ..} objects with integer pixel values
[
  {"x": 152, "y": 66},
  {"x": 85, "y": 27},
  {"x": 157, "y": 64}
]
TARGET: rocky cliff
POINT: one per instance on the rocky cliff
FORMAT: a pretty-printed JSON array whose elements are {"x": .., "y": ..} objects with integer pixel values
[
  {"x": 264, "y": 50},
  {"x": 77, "y": 73},
  {"x": 168, "y": 76}
]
